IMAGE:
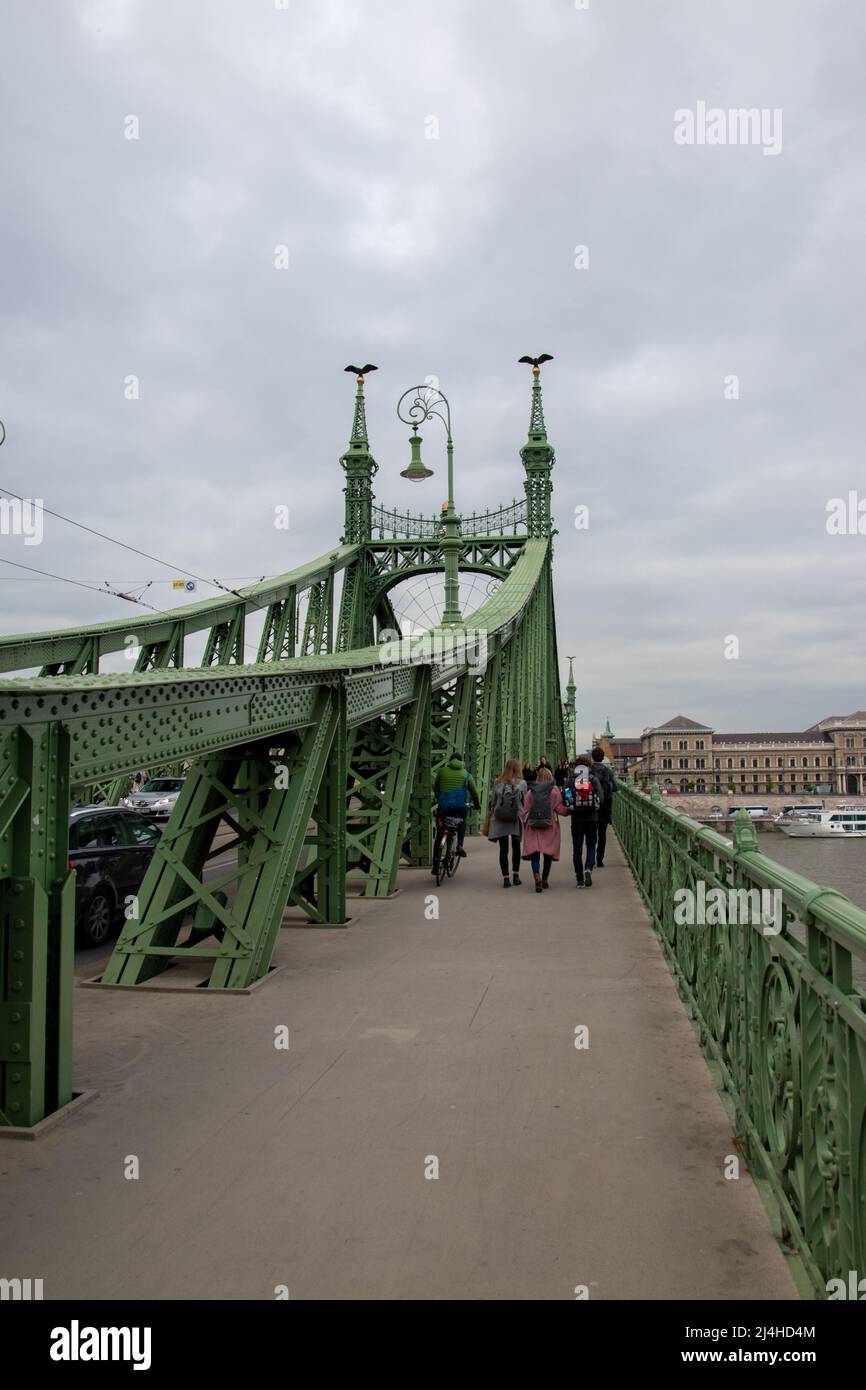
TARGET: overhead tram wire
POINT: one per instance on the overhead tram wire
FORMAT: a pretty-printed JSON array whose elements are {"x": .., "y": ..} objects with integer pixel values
[
  {"x": 111, "y": 593},
  {"x": 178, "y": 569},
  {"x": 79, "y": 583}
]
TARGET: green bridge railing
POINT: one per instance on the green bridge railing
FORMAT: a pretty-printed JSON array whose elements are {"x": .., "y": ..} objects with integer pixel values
[{"x": 772, "y": 969}]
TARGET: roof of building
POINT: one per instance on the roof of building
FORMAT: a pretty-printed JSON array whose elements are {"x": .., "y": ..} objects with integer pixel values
[
  {"x": 621, "y": 747},
  {"x": 806, "y": 736},
  {"x": 816, "y": 733},
  {"x": 680, "y": 721},
  {"x": 842, "y": 718}
]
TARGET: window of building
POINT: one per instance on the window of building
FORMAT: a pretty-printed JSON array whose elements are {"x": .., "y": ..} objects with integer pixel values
[
  {"x": 730, "y": 762},
  {"x": 684, "y": 762},
  {"x": 781, "y": 762},
  {"x": 754, "y": 762},
  {"x": 684, "y": 743},
  {"x": 666, "y": 743},
  {"x": 766, "y": 762},
  {"x": 805, "y": 762},
  {"x": 742, "y": 762},
  {"x": 700, "y": 743}
]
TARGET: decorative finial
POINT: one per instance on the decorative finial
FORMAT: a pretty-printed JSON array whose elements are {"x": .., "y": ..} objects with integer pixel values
[
  {"x": 358, "y": 438},
  {"x": 537, "y": 431}
]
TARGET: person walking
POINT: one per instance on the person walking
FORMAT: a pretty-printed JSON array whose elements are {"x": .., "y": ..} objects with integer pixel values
[
  {"x": 542, "y": 762},
  {"x": 528, "y": 773},
  {"x": 584, "y": 793},
  {"x": 607, "y": 782},
  {"x": 560, "y": 776},
  {"x": 506, "y": 827},
  {"x": 542, "y": 808}
]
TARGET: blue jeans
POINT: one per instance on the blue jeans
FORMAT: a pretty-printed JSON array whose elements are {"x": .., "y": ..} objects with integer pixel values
[
  {"x": 579, "y": 833},
  {"x": 535, "y": 861}
]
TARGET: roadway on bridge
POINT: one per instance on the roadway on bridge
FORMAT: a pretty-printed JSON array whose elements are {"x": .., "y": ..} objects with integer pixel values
[{"x": 410, "y": 1039}]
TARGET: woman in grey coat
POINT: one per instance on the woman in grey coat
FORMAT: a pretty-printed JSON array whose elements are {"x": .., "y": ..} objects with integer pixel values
[{"x": 506, "y": 802}]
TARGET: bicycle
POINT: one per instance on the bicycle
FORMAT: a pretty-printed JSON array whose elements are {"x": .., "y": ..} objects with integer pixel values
[{"x": 449, "y": 859}]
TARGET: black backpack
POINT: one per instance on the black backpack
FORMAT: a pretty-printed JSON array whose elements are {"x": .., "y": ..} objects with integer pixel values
[{"x": 606, "y": 782}]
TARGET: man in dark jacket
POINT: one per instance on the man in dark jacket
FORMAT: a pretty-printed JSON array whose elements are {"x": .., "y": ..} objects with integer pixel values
[
  {"x": 584, "y": 793},
  {"x": 605, "y": 776}
]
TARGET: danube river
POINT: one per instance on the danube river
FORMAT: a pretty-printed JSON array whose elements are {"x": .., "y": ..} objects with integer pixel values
[{"x": 837, "y": 864}]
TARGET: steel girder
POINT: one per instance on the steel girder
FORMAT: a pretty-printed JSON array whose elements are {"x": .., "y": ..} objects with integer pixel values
[
  {"x": 392, "y": 562},
  {"x": 37, "y": 924},
  {"x": 269, "y": 814},
  {"x": 388, "y": 813}
]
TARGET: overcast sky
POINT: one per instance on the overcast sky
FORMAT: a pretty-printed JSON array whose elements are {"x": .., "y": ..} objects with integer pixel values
[{"x": 309, "y": 126}]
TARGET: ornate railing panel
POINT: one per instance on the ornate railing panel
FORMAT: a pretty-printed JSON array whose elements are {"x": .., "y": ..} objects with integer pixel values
[
  {"x": 394, "y": 525},
  {"x": 771, "y": 967}
]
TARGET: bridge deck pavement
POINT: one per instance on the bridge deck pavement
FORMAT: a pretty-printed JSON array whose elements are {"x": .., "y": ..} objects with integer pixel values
[{"x": 409, "y": 1038}]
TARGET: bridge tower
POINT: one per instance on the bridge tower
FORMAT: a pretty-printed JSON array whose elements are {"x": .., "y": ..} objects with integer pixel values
[
  {"x": 360, "y": 468},
  {"x": 569, "y": 706},
  {"x": 538, "y": 457}
]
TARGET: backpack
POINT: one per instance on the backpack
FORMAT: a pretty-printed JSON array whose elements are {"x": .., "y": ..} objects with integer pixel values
[
  {"x": 506, "y": 801},
  {"x": 605, "y": 779},
  {"x": 586, "y": 798},
  {"x": 456, "y": 799},
  {"x": 540, "y": 814}
]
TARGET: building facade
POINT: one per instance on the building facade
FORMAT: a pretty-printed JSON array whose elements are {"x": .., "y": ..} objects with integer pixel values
[
  {"x": 830, "y": 756},
  {"x": 622, "y": 753}
]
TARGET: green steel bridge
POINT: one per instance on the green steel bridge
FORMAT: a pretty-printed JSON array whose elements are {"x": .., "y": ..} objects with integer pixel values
[{"x": 319, "y": 755}]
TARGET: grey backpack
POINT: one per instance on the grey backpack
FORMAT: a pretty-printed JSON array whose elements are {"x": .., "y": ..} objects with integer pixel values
[
  {"x": 540, "y": 814},
  {"x": 506, "y": 802}
]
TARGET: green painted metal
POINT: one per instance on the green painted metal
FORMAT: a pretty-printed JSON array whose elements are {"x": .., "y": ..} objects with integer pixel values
[
  {"x": 37, "y": 900},
  {"x": 319, "y": 755},
  {"x": 780, "y": 1012}
]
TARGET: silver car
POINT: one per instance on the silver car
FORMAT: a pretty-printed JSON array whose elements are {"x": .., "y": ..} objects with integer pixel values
[{"x": 157, "y": 797}]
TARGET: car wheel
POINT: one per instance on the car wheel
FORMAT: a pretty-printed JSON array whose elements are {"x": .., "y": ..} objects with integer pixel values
[{"x": 97, "y": 920}]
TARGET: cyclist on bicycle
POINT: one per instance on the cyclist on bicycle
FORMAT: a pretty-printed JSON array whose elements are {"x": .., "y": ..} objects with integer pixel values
[{"x": 454, "y": 787}]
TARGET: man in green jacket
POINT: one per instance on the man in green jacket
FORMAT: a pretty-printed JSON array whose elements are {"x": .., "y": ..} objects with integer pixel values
[{"x": 454, "y": 788}]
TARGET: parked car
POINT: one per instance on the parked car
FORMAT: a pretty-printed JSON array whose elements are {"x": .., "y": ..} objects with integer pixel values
[
  {"x": 109, "y": 849},
  {"x": 157, "y": 797}
]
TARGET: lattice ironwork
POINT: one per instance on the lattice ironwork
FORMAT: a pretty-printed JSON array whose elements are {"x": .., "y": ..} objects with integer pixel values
[{"x": 774, "y": 986}]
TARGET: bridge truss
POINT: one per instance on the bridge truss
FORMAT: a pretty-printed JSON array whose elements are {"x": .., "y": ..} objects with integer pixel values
[{"x": 316, "y": 746}]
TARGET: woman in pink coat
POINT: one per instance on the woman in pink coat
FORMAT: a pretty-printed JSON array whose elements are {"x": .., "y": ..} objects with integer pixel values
[{"x": 544, "y": 801}]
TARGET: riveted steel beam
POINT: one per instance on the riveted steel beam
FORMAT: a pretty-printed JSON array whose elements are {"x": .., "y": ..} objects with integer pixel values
[{"x": 267, "y": 800}]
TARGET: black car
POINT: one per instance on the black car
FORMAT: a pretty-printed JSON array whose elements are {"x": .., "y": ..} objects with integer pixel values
[{"x": 110, "y": 849}]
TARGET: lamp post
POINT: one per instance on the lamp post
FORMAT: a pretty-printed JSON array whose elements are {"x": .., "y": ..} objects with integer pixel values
[{"x": 427, "y": 401}]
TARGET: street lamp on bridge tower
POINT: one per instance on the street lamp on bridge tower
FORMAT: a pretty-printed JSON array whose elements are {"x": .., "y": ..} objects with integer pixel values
[{"x": 426, "y": 402}]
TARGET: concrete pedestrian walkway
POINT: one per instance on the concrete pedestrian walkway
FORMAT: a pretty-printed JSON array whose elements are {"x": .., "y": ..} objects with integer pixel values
[{"x": 411, "y": 1040}]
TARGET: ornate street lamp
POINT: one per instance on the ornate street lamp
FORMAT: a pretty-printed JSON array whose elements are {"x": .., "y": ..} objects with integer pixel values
[{"x": 427, "y": 401}]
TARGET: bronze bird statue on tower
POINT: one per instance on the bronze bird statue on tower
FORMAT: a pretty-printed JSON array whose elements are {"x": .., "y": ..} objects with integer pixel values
[{"x": 536, "y": 361}]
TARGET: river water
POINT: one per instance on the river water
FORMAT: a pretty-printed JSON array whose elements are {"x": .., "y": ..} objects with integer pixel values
[{"x": 839, "y": 864}]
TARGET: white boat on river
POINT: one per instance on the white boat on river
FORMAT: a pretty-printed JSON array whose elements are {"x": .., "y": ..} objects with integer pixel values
[{"x": 846, "y": 820}]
